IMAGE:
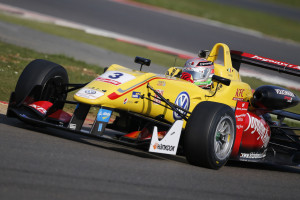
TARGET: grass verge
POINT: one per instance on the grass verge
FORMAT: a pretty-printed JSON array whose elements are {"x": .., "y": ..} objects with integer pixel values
[{"x": 13, "y": 60}]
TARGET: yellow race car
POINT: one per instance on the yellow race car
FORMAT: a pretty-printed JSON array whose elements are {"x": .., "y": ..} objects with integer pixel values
[{"x": 165, "y": 113}]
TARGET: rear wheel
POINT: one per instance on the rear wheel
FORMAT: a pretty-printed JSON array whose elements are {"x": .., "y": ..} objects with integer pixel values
[{"x": 210, "y": 135}]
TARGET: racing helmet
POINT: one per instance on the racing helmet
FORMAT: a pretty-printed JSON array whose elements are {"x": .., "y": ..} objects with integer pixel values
[{"x": 198, "y": 71}]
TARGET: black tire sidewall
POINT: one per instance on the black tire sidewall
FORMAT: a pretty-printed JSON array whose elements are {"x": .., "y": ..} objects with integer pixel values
[
  {"x": 200, "y": 132},
  {"x": 37, "y": 73}
]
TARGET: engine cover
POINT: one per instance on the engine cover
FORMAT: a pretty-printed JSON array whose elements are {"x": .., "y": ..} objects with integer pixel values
[{"x": 273, "y": 98}]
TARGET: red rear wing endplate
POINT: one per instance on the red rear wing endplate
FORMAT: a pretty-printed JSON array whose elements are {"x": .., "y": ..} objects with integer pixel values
[{"x": 239, "y": 57}]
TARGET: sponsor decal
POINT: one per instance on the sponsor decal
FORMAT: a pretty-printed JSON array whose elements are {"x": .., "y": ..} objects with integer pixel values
[
  {"x": 126, "y": 100},
  {"x": 157, "y": 100},
  {"x": 163, "y": 147},
  {"x": 283, "y": 64},
  {"x": 240, "y": 118},
  {"x": 204, "y": 63},
  {"x": 169, "y": 143},
  {"x": 89, "y": 93},
  {"x": 107, "y": 80},
  {"x": 284, "y": 92},
  {"x": 182, "y": 100},
  {"x": 103, "y": 115},
  {"x": 98, "y": 89},
  {"x": 243, "y": 109},
  {"x": 136, "y": 95},
  {"x": 72, "y": 126},
  {"x": 115, "y": 77},
  {"x": 256, "y": 125},
  {"x": 239, "y": 127},
  {"x": 254, "y": 155},
  {"x": 240, "y": 115},
  {"x": 161, "y": 83},
  {"x": 239, "y": 95},
  {"x": 100, "y": 127},
  {"x": 288, "y": 99},
  {"x": 274, "y": 61},
  {"x": 39, "y": 108}
]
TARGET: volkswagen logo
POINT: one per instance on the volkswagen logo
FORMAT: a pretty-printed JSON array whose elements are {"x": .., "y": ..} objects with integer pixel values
[{"x": 182, "y": 100}]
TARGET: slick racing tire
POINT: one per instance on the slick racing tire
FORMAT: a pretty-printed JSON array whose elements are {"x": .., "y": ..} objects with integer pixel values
[
  {"x": 210, "y": 135},
  {"x": 42, "y": 80}
]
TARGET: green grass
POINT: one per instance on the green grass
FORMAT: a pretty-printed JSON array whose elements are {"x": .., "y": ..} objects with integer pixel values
[
  {"x": 268, "y": 24},
  {"x": 13, "y": 60},
  {"x": 159, "y": 58}
]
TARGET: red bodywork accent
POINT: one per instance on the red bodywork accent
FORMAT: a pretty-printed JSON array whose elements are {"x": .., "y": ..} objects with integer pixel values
[
  {"x": 252, "y": 131},
  {"x": 113, "y": 96},
  {"x": 256, "y": 133},
  {"x": 41, "y": 107},
  {"x": 61, "y": 116},
  {"x": 240, "y": 115}
]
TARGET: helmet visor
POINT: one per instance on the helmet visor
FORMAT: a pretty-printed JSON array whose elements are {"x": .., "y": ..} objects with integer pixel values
[{"x": 198, "y": 73}]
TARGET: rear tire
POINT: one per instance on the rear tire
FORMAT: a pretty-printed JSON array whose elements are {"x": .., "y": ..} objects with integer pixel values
[
  {"x": 210, "y": 134},
  {"x": 42, "y": 80}
]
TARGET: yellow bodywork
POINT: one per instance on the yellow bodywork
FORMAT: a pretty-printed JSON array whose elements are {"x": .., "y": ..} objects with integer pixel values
[{"x": 133, "y": 94}]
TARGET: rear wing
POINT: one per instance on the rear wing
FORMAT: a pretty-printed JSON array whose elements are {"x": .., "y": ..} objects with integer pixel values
[{"x": 239, "y": 57}]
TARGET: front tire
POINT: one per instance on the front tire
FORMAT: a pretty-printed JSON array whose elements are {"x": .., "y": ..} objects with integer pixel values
[
  {"x": 42, "y": 80},
  {"x": 210, "y": 134}
]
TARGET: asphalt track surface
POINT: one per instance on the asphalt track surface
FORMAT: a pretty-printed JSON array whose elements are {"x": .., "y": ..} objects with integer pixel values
[
  {"x": 41, "y": 163},
  {"x": 38, "y": 163}
]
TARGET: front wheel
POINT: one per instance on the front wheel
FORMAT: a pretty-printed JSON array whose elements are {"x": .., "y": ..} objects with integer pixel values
[
  {"x": 210, "y": 134},
  {"x": 42, "y": 80}
]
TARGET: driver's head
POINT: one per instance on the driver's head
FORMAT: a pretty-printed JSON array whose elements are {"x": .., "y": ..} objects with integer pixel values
[{"x": 198, "y": 71}]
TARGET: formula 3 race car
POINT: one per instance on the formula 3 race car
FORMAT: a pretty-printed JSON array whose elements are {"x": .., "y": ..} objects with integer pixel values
[{"x": 169, "y": 115}]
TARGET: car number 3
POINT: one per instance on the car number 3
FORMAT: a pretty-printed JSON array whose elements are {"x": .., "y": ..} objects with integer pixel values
[{"x": 115, "y": 75}]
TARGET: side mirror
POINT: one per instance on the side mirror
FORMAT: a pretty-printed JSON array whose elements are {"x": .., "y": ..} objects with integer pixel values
[
  {"x": 222, "y": 80},
  {"x": 142, "y": 61},
  {"x": 203, "y": 53}
]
